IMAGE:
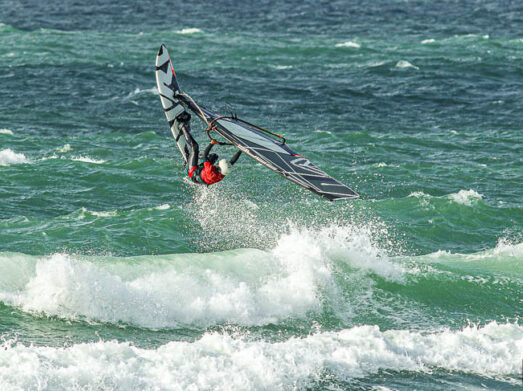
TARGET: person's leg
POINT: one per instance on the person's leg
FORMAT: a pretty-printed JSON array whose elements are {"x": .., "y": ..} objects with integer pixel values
[{"x": 193, "y": 145}]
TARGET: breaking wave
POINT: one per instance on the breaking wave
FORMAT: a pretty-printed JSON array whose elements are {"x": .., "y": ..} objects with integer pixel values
[
  {"x": 348, "y": 44},
  {"x": 8, "y": 157},
  {"x": 405, "y": 64},
  {"x": 243, "y": 286},
  {"x": 305, "y": 273},
  {"x": 232, "y": 362},
  {"x": 503, "y": 255},
  {"x": 64, "y": 149},
  {"x": 462, "y": 197},
  {"x": 83, "y": 159},
  {"x": 466, "y": 197},
  {"x": 87, "y": 159},
  {"x": 189, "y": 31}
]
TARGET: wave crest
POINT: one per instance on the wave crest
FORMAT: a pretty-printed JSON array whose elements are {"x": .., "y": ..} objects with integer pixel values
[
  {"x": 466, "y": 197},
  {"x": 238, "y": 363},
  {"x": 245, "y": 286},
  {"x": 8, "y": 157},
  {"x": 189, "y": 31}
]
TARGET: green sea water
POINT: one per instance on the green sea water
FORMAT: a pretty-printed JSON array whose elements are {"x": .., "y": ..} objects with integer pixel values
[{"x": 116, "y": 273}]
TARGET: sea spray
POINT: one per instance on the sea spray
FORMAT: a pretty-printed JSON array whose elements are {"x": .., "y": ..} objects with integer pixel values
[{"x": 241, "y": 286}]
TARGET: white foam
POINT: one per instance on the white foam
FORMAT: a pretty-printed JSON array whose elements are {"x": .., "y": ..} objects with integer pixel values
[
  {"x": 322, "y": 131},
  {"x": 162, "y": 207},
  {"x": 373, "y": 64},
  {"x": 6, "y": 131},
  {"x": 426, "y": 41},
  {"x": 248, "y": 287},
  {"x": 418, "y": 194},
  {"x": 87, "y": 159},
  {"x": 405, "y": 64},
  {"x": 424, "y": 199},
  {"x": 466, "y": 197},
  {"x": 282, "y": 66},
  {"x": 103, "y": 213},
  {"x": 81, "y": 214},
  {"x": 8, "y": 157},
  {"x": 351, "y": 245},
  {"x": 188, "y": 31},
  {"x": 188, "y": 289},
  {"x": 235, "y": 363},
  {"x": 507, "y": 249},
  {"x": 383, "y": 164},
  {"x": 51, "y": 157},
  {"x": 348, "y": 44},
  {"x": 439, "y": 254},
  {"x": 64, "y": 149}
]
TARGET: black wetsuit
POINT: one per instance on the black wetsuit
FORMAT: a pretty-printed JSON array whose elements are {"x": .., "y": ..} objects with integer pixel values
[{"x": 193, "y": 168}]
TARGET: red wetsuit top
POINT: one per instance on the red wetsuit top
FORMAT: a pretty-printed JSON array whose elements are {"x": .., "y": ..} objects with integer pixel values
[{"x": 207, "y": 174}]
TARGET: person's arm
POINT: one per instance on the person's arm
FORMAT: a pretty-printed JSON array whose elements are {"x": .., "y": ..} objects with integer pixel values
[
  {"x": 235, "y": 157},
  {"x": 207, "y": 150}
]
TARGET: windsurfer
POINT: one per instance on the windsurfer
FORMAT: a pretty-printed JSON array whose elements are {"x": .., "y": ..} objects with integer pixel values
[{"x": 206, "y": 172}]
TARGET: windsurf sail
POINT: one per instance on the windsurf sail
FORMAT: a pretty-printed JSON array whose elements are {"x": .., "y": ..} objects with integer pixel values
[
  {"x": 172, "y": 106},
  {"x": 272, "y": 152}
]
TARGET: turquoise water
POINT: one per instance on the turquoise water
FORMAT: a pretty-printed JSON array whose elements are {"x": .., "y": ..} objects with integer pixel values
[{"x": 117, "y": 274}]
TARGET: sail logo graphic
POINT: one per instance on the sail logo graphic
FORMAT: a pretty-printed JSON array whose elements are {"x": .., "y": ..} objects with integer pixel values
[{"x": 305, "y": 164}]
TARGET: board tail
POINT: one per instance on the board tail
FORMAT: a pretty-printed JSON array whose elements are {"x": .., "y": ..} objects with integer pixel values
[{"x": 165, "y": 65}]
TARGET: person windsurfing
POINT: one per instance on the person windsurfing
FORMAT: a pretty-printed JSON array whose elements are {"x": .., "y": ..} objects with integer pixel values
[{"x": 206, "y": 172}]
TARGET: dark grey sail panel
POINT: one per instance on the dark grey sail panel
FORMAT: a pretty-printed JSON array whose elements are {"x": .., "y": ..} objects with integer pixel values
[
  {"x": 279, "y": 157},
  {"x": 172, "y": 106}
]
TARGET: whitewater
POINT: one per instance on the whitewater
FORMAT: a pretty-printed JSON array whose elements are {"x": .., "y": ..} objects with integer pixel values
[{"x": 219, "y": 295}]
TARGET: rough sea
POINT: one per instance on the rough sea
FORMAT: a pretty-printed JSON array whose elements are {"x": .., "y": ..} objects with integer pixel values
[{"x": 118, "y": 274}]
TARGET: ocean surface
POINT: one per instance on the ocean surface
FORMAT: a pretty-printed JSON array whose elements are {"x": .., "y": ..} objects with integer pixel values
[{"x": 118, "y": 274}]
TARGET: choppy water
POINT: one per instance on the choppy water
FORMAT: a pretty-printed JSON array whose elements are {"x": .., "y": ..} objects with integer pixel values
[{"x": 116, "y": 274}]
